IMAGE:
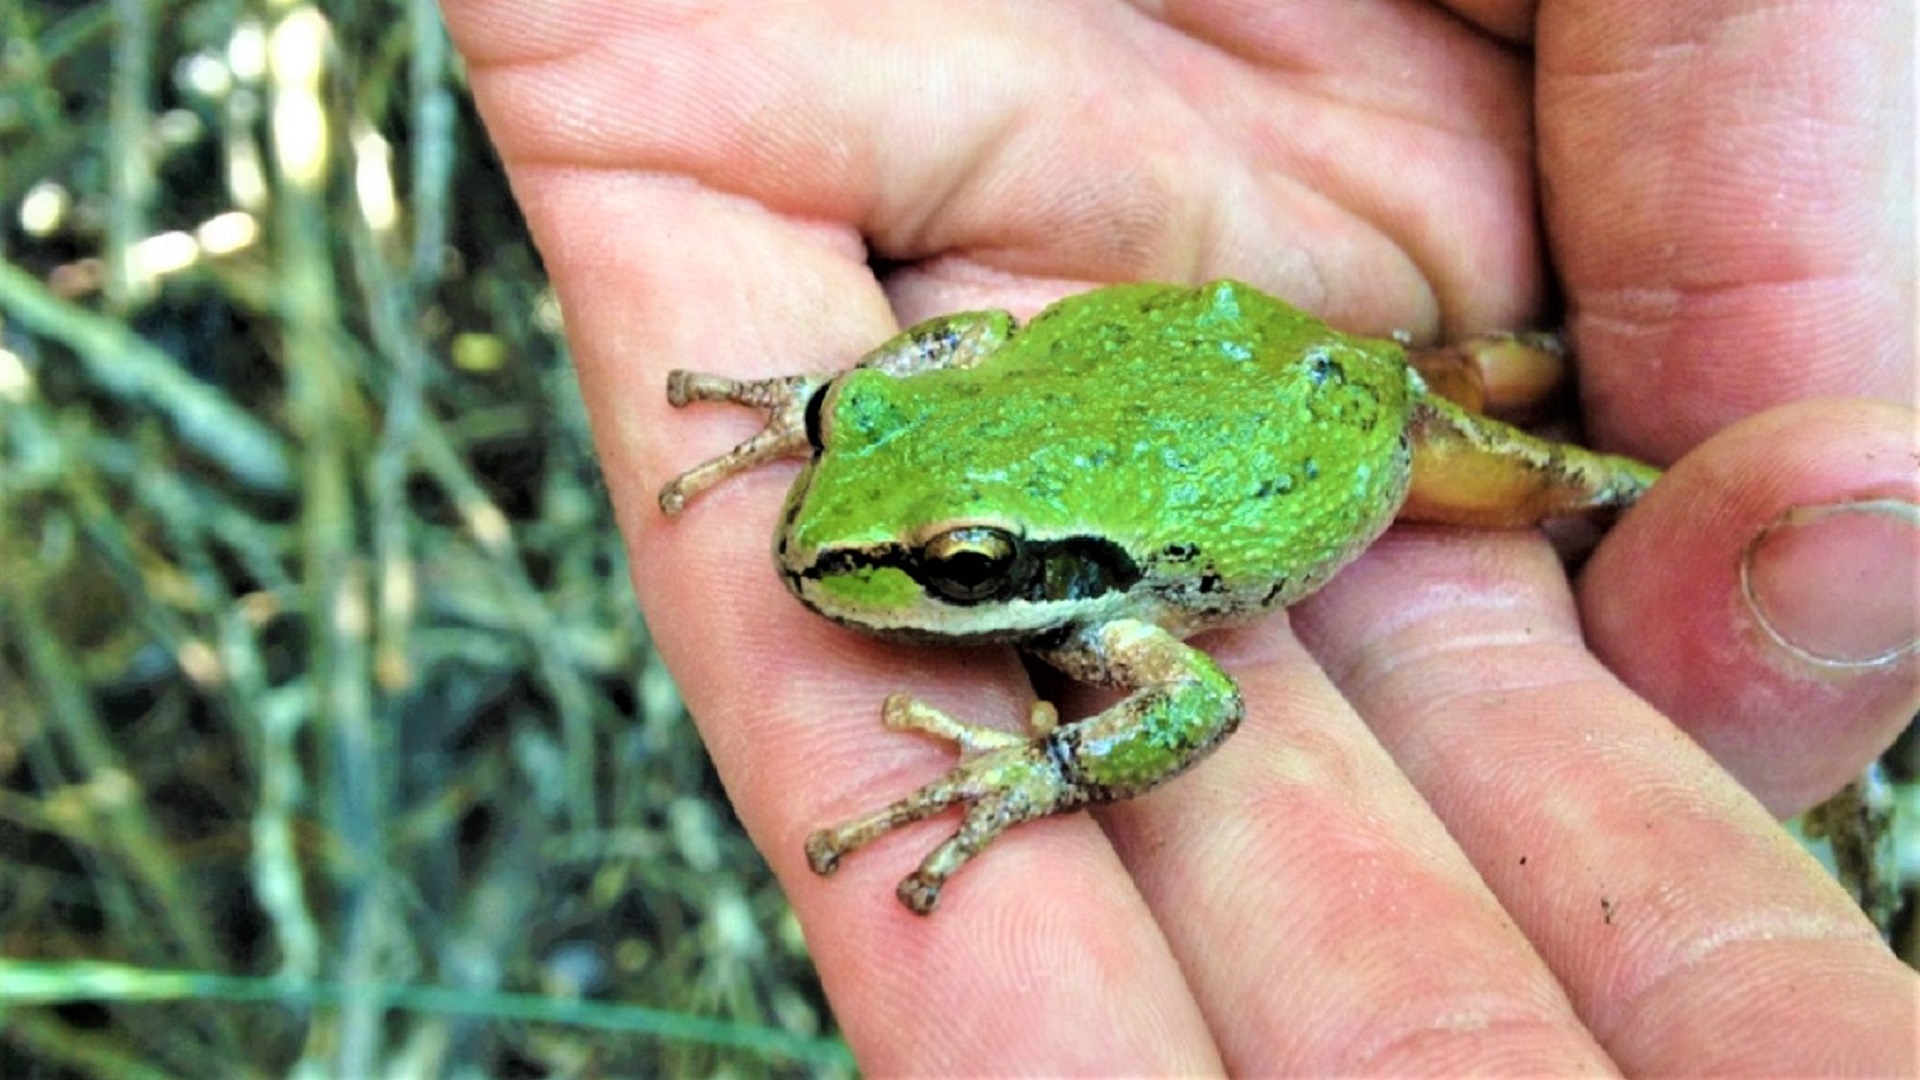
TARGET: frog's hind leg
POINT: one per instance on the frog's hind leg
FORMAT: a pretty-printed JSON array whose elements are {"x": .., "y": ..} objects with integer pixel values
[
  {"x": 1476, "y": 471},
  {"x": 1180, "y": 707}
]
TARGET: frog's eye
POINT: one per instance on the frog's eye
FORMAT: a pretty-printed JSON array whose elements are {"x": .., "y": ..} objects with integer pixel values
[{"x": 971, "y": 563}]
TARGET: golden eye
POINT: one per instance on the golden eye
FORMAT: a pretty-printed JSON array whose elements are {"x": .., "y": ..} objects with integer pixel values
[{"x": 972, "y": 563}]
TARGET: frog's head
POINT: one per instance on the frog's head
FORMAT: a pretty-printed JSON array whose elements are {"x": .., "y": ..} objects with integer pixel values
[{"x": 905, "y": 528}]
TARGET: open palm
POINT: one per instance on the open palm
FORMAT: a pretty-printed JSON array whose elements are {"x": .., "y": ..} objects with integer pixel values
[{"x": 1447, "y": 836}]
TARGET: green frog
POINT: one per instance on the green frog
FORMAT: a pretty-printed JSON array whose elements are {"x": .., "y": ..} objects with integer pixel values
[{"x": 1133, "y": 465}]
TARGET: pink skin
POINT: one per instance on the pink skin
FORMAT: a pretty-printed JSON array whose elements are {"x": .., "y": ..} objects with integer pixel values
[{"x": 1447, "y": 838}]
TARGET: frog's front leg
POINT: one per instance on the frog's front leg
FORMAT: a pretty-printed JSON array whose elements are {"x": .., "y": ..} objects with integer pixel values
[
  {"x": 1181, "y": 706},
  {"x": 791, "y": 402},
  {"x": 960, "y": 340}
]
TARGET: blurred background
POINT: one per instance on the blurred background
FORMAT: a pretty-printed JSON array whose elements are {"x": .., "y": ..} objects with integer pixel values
[
  {"x": 330, "y": 737},
  {"x": 331, "y": 742}
]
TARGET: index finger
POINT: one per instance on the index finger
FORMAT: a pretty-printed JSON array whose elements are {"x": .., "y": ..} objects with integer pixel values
[{"x": 660, "y": 270}]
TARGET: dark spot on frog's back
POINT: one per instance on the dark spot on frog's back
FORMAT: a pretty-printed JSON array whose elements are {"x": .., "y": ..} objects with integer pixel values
[
  {"x": 1087, "y": 351},
  {"x": 816, "y": 436},
  {"x": 1321, "y": 368},
  {"x": 1274, "y": 485},
  {"x": 1180, "y": 553}
]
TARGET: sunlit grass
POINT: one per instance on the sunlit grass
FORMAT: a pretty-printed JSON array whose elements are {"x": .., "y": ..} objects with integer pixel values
[{"x": 331, "y": 741}]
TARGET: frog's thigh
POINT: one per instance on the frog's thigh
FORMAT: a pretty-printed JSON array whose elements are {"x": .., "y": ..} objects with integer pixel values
[
  {"x": 1181, "y": 707},
  {"x": 1472, "y": 470}
]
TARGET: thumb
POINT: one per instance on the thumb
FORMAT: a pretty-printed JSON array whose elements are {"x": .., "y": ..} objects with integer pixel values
[{"x": 1763, "y": 594}]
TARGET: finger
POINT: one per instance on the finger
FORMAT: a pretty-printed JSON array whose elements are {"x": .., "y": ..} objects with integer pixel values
[
  {"x": 780, "y": 106},
  {"x": 1675, "y": 912},
  {"x": 1510, "y": 20},
  {"x": 1389, "y": 111},
  {"x": 1730, "y": 207},
  {"x": 789, "y": 707},
  {"x": 787, "y": 704},
  {"x": 1764, "y": 595},
  {"x": 1003, "y": 156},
  {"x": 1326, "y": 922}
]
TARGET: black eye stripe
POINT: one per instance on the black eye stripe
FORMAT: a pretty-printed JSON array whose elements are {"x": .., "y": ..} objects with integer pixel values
[
  {"x": 1082, "y": 568},
  {"x": 1071, "y": 568}
]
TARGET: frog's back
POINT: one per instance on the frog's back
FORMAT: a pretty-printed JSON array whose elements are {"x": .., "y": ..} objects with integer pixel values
[{"x": 1237, "y": 449}]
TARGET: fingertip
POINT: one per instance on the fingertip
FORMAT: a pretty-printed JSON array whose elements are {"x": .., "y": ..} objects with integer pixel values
[{"x": 1763, "y": 594}]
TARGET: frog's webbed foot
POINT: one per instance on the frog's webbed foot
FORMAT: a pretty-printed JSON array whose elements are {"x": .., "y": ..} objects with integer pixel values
[
  {"x": 1003, "y": 778},
  {"x": 1182, "y": 705},
  {"x": 784, "y": 400}
]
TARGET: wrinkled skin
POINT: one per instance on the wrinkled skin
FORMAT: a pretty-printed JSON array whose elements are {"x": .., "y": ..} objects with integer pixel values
[{"x": 1462, "y": 817}]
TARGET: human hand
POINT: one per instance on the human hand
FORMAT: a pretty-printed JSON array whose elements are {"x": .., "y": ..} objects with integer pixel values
[{"x": 1446, "y": 837}]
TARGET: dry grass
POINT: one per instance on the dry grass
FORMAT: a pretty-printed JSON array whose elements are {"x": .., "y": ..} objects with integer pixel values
[{"x": 330, "y": 737}]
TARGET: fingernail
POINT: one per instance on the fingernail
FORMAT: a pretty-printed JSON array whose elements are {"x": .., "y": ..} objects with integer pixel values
[{"x": 1837, "y": 584}]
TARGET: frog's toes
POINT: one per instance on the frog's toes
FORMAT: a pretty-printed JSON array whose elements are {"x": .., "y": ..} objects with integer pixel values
[
  {"x": 1007, "y": 780},
  {"x": 784, "y": 400},
  {"x": 1025, "y": 789},
  {"x": 919, "y": 892},
  {"x": 903, "y": 712}
]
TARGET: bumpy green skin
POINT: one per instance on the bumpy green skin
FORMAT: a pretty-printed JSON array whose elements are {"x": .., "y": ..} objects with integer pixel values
[{"x": 1236, "y": 449}]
